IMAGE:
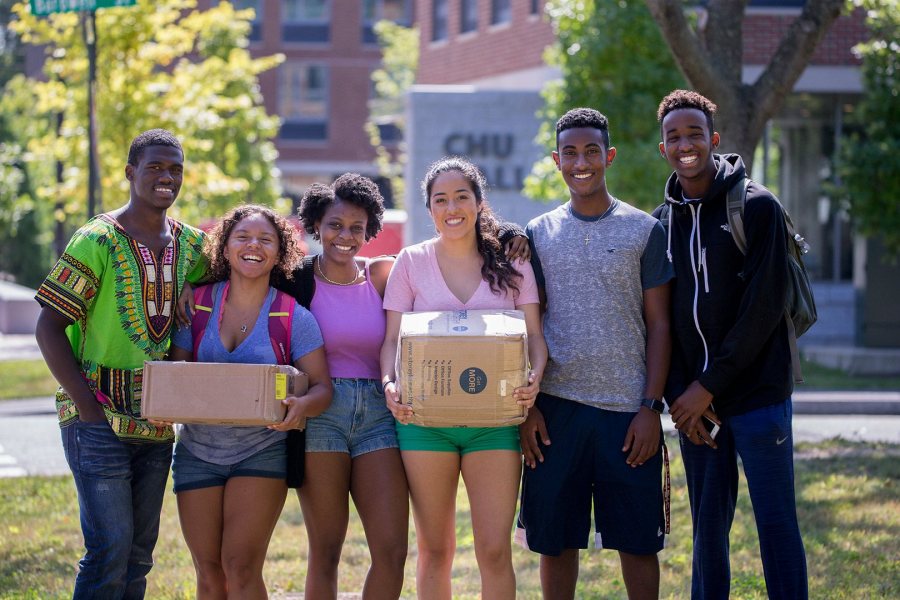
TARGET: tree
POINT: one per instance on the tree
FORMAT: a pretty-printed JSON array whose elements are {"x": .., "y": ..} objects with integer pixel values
[
  {"x": 709, "y": 51},
  {"x": 397, "y": 73},
  {"x": 24, "y": 243},
  {"x": 608, "y": 54},
  {"x": 871, "y": 161},
  {"x": 160, "y": 64}
]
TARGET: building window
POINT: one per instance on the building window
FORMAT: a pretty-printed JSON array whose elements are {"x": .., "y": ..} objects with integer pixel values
[
  {"x": 535, "y": 7},
  {"x": 256, "y": 23},
  {"x": 303, "y": 101},
  {"x": 305, "y": 21},
  {"x": 398, "y": 11},
  {"x": 500, "y": 12},
  {"x": 439, "y": 20},
  {"x": 468, "y": 16}
]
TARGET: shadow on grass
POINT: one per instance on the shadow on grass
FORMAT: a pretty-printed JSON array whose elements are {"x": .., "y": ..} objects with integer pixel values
[{"x": 849, "y": 507}]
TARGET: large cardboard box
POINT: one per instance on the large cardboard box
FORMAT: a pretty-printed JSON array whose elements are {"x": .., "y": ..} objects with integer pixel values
[
  {"x": 219, "y": 393},
  {"x": 459, "y": 368}
]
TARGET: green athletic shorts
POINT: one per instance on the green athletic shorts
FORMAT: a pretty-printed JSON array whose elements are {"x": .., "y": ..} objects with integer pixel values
[{"x": 461, "y": 440}]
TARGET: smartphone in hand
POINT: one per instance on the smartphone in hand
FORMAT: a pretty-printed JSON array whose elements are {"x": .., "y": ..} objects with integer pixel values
[{"x": 711, "y": 427}]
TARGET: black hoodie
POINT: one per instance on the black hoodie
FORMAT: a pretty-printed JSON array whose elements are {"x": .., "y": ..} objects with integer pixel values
[{"x": 728, "y": 327}]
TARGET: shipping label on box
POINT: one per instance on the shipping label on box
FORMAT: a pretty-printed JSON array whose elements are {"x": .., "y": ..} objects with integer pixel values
[
  {"x": 219, "y": 393},
  {"x": 459, "y": 368}
]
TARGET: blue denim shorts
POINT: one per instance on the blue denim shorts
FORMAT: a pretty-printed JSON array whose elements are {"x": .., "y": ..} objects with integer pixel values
[
  {"x": 192, "y": 473},
  {"x": 358, "y": 420}
]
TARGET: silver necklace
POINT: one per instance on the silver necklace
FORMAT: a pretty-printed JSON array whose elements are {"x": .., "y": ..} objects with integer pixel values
[{"x": 325, "y": 277}]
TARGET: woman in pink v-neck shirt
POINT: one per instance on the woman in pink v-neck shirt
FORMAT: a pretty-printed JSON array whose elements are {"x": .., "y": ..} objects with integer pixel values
[{"x": 462, "y": 268}]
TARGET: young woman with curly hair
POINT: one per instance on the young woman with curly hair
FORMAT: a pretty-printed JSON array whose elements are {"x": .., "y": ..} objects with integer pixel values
[
  {"x": 229, "y": 480},
  {"x": 462, "y": 268},
  {"x": 351, "y": 448}
]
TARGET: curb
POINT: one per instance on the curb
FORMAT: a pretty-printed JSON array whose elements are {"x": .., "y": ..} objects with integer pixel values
[{"x": 846, "y": 403}]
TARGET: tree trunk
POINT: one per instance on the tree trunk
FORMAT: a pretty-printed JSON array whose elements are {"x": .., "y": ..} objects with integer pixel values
[{"x": 710, "y": 57}]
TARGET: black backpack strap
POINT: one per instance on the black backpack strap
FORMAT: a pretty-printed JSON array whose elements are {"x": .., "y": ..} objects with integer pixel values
[
  {"x": 736, "y": 199},
  {"x": 305, "y": 281}
]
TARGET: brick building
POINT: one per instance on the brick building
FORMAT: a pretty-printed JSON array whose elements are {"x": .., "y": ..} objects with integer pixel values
[
  {"x": 491, "y": 46},
  {"x": 322, "y": 89}
]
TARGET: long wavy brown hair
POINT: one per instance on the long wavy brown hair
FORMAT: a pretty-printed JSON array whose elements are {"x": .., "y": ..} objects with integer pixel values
[
  {"x": 496, "y": 270},
  {"x": 289, "y": 253}
]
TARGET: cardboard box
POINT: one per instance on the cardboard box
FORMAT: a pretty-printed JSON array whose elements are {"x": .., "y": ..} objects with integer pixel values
[
  {"x": 219, "y": 393},
  {"x": 459, "y": 368}
]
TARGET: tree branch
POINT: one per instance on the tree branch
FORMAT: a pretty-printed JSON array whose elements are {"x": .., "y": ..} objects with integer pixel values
[
  {"x": 792, "y": 55},
  {"x": 687, "y": 48}
]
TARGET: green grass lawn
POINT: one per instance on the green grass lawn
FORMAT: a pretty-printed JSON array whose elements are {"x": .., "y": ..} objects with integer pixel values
[
  {"x": 32, "y": 378},
  {"x": 849, "y": 506},
  {"x": 25, "y": 379}
]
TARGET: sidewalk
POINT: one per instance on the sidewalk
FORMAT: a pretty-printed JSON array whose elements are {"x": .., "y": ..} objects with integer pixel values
[{"x": 806, "y": 402}]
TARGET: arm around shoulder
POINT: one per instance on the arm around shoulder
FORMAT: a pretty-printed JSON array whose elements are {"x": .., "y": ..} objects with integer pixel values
[{"x": 379, "y": 270}]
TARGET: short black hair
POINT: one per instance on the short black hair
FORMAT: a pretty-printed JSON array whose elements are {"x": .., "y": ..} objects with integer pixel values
[
  {"x": 678, "y": 99},
  {"x": 583, "y": 117},
  {"x": 152, "y": 137},
  {"x": 349, "y": 187}
]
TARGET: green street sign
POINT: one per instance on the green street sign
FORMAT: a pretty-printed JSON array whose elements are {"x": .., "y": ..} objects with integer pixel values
[{"x": 46, "y": 7}]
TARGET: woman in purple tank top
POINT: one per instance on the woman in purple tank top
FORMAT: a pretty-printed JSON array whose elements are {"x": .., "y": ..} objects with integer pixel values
[{"x": 351, "y": 448}]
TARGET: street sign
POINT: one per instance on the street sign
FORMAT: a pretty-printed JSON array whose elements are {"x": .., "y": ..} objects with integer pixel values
[{"x": 46, "y": 7}]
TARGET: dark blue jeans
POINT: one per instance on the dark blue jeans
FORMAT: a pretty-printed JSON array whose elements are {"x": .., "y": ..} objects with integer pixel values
[
  {"x": 764, "y": 441},
  {"x": 120, "y": 494}
]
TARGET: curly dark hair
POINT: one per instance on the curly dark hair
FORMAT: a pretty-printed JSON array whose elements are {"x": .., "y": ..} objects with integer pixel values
[
  {"x": 353, "y": 188},
  {"x": 495, "y": 268},
  {"x": 678, "y": 99},
  {"x": 289, "y": 253},
  {"x": 583, "y": 117},
  {"x": 151, "y": 137}
]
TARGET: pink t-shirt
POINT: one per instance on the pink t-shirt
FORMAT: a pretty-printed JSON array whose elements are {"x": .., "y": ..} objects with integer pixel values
[{"x": 416, "y": 284}]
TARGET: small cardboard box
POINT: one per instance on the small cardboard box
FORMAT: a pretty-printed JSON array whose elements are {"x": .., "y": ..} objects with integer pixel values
[
  {"x": 459, "y": 368},
  {"x": 219, "y": 393}
]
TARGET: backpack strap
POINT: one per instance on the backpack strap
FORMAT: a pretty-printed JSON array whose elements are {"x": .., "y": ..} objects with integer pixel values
[
  {"x": 736, "y": 198},
  {"x": 305, "y": 281},
  {"x": 203, "y": 307},
  {"x": 281, "y": 314}
]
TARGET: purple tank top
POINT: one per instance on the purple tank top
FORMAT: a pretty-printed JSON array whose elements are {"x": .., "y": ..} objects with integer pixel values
[{"x": 352, "y": 322}]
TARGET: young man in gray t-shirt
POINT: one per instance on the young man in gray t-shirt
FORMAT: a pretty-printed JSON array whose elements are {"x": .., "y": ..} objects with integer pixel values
[{"x": 604, "y": 284}]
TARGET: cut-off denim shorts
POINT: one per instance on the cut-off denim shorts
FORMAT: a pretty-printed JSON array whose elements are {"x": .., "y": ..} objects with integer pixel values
[
  {"x": 192, "y": 473},
  {"x": 358, "y": 420}
]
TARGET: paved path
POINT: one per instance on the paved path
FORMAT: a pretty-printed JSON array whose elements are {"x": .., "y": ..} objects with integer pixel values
[{"x": 30, "y": 442}]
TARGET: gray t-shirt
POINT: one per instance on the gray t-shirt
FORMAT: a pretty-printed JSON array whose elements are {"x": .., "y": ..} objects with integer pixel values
[
  {"x": 229, "y": 444},
  {"x": 594, "y": 271}
]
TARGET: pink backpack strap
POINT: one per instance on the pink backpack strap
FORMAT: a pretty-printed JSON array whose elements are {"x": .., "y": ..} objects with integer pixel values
[
  {"x": 203, "y": 307},
  {"x": 281, "y": 314}
]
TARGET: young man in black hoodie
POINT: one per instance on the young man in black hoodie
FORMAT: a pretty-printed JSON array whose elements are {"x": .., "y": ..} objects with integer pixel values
[{"x": 731, "y": 362}]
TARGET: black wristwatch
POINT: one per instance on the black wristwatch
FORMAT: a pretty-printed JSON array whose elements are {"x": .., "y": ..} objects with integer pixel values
[{"x": 653, "y": 404}]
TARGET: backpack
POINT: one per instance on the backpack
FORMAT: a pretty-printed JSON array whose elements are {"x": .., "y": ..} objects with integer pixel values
[
  {"x": 800, "y": 305},
  {"x": 280, "y": 315}
]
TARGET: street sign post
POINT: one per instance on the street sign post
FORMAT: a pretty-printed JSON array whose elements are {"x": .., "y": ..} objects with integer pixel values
[
  {"x": 88, "y": 9},
  {"x": 46, "y": 7}
]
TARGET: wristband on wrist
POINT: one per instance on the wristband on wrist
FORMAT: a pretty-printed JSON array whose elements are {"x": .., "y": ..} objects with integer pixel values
[{"x": 653, "y": 404}]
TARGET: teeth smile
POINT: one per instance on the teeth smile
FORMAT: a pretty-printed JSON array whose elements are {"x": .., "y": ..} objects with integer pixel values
[
  {"x": 688, "y": 160},
  {"x": 454, "y": 221},
  {"x": 581, "y": 175},
  {"x": 252, "y": 258},
  {"x": 164, "y": 190},
  {"x": 343, "y": 248}
]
